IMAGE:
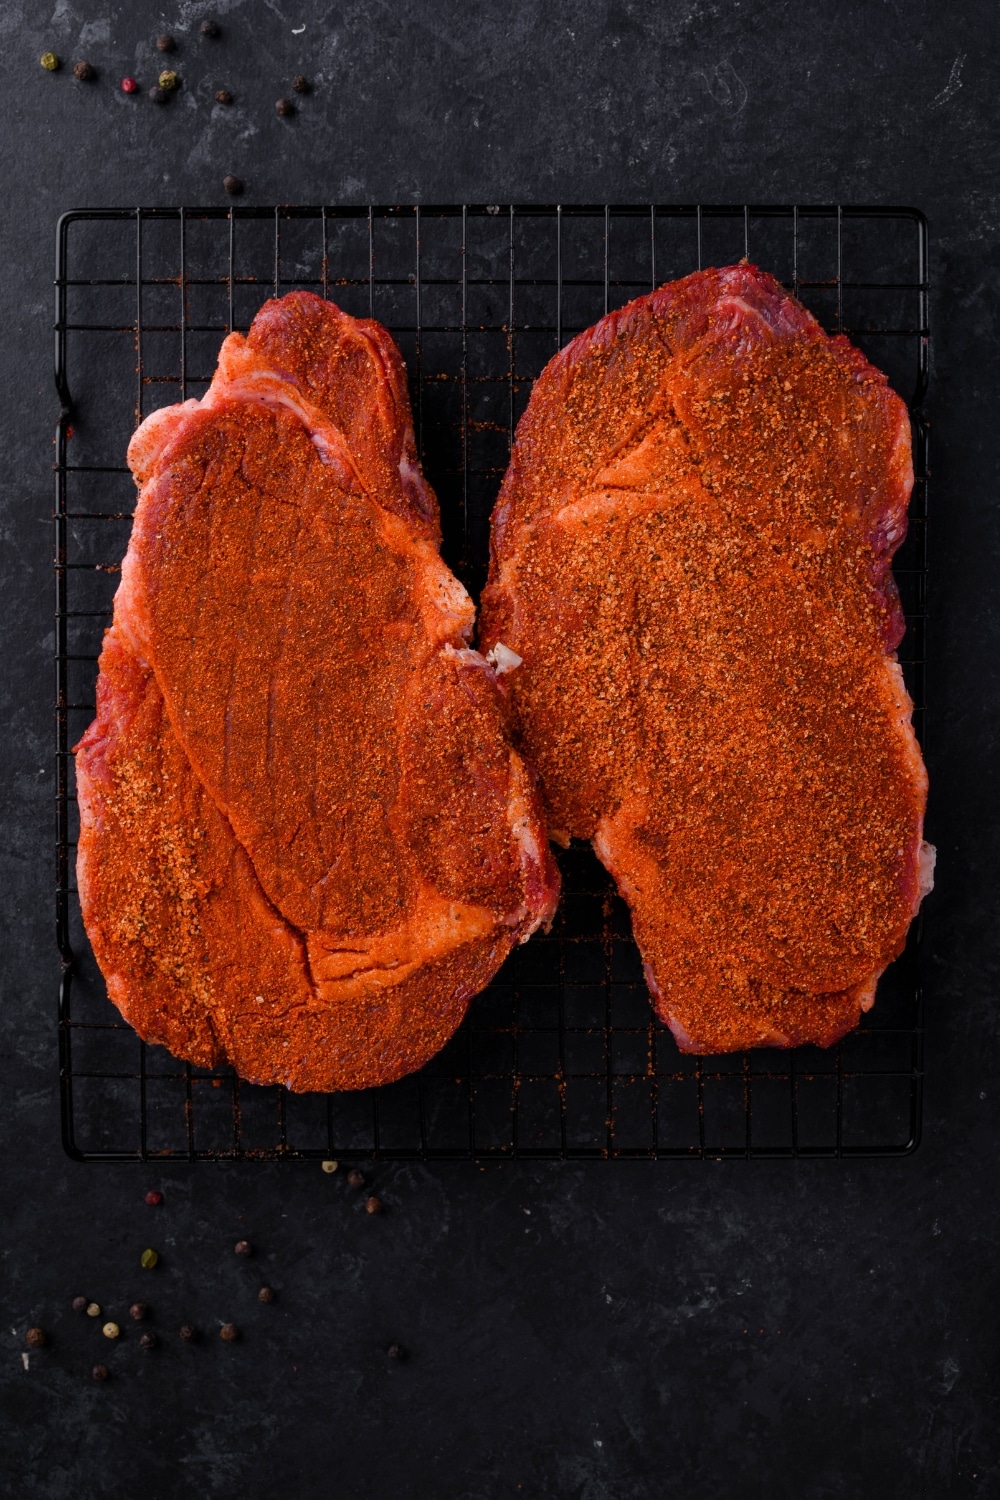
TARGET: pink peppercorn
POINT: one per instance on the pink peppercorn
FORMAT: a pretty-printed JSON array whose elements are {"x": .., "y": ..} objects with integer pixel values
[
  {"x": 129, "y": 86},
  {"x": 153, "y": 1198}
]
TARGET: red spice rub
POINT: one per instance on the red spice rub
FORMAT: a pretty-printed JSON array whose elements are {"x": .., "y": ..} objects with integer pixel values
[
  {"x": 691, "y": 552},
  {"x": 305, "y": 841}
]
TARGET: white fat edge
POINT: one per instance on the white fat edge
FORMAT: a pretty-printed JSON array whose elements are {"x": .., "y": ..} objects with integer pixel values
[
  {"x": 926, "y": 860},
  {"x": 324, "y": 436},
  {"x": 502, "y": 659}
]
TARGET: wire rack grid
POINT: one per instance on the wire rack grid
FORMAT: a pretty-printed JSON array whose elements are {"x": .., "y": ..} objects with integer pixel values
[{"x": 561, "y": 1057}]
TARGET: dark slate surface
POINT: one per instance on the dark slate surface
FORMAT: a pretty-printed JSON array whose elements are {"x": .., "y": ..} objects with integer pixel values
[{"x": 608, "y": 1332}]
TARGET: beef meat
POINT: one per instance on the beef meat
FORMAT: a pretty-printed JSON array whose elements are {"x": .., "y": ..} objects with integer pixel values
[
  {"x": 691, "y": 553},
  {"x": 305, "y": 840}
]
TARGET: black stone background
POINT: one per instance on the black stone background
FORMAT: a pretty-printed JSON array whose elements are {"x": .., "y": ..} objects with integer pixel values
[{"x": 607, "y": 1331}]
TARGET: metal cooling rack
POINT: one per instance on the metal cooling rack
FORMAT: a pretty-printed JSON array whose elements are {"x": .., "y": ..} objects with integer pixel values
[{"x": 560, "y": 1057}]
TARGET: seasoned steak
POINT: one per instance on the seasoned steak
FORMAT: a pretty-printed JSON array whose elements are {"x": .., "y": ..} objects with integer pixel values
[
  {"x": 305, "y": 840},
  {"x": 691, "y": 553}
]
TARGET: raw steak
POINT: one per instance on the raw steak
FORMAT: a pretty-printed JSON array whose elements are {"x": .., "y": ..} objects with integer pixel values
[
  {"x": 691, "y": 553},
  {"x": 305, "y": 840}
]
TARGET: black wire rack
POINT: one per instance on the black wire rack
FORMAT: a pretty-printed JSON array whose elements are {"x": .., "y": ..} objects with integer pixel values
[{"x": 561, "y": 1057}]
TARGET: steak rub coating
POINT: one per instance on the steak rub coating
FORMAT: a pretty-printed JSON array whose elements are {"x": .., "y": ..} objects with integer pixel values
[
  {"x": 691, "y": 554},
  {"x": 305, "y": 841}
]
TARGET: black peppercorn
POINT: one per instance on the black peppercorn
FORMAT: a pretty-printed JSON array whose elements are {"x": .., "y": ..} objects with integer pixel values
[
  {"x": 165, "y": 43},
  {"x": 285, "y": 107},
  {"x": 301, "y": 85},
  {"x": 266, "y": 1294},
  {"x": 242, "y": 1247},
  {"x": 233, "y": 185},
  {"x": 148, "y": 1341},
  {"x": 158, "y": 95},
  {"x": 188, "y": 1334},
  {"x": 229, "y": 1332},
  {"x": 223, "y": 96},
  {"x": 396, "y": 1352},
  {"x": 84, "y": 72},
  {"x": 35, "y": 1338},
  {"x": 356, "y": 1178},
  {"x": 80, "y": 1304},
  {"x": 373, "y": 1204},
  {"x": 210, "y": 28},
  {"x": 100, "y": 1372},
  {"x": 138, "y": 1311}
]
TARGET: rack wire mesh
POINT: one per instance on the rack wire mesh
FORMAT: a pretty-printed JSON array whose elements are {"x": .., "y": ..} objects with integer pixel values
[{"x": 561, "y": 1056}]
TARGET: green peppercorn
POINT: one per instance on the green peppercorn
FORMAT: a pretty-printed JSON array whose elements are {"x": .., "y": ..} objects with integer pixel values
[
  {"x": 50, "y": 62},
  {"x": 168, "y": 79},
  {"x": 148, "y": 1259}
]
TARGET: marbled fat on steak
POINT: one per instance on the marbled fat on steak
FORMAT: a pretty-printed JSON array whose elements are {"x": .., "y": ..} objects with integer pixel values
[
  {"x": 305, "y": 840},
  {"x": 691, "y": 553}
]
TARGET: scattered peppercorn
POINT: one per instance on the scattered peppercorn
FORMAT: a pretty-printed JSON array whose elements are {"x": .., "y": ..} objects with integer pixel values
[
  {"x": 129, "y": 86},
  {"x": 396, "y": 1352},
  {"x": 158, "y": 95},
  {"x": 93, "y": 1309},
  {"x": 301, "y": 85},
  {"x": 138, "y": 1311},
  {"x": 242, "y": 1247},
  {"x": 79, "y": 1304},
  {"x": 229, "y": 1332},
  {"x": 168, "y": 79},
  {"x": 188, "y": 1334},
  {"x": 148, "y": 1259},
  {"x": 148, "y": 1341},
  {"x": 266, "y": 1294},
  {"x": 84, "y": 72},
  {"x": 210, "y": 28},
  {"x": 223, "y": 96},
  {"x": 355, "y": 1178},
  {"x": 233, "y": 185},
  {"x": 50, "y": 62},
  {"x": 373, "y": 1204},
  {"x": 330, "y": 1166},
  {"x": 35, "y": 1338},
  {"x": 285, "y": 107},
  {"x": 111, "y": 1330},
  {"x": 154, "y": 1198},
  {"x": 165, "y": 43},
  {"x": 99, "y": 1372}
]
